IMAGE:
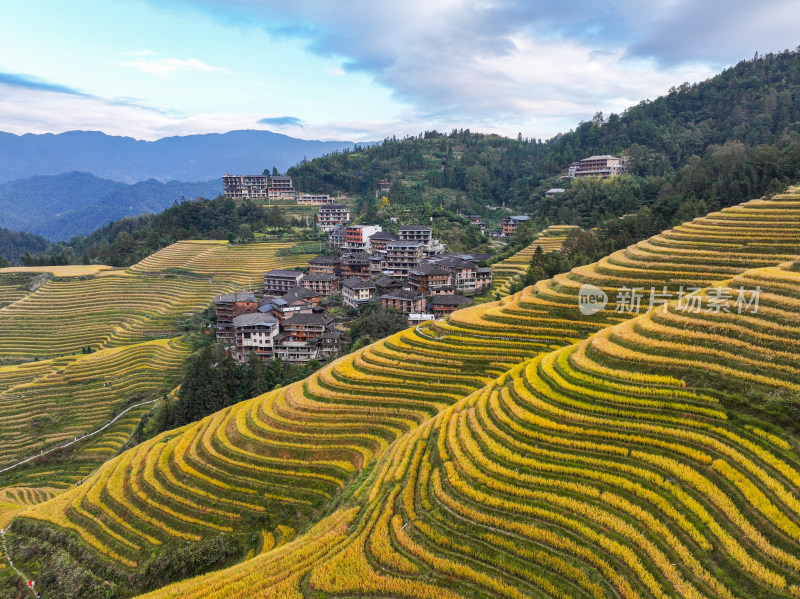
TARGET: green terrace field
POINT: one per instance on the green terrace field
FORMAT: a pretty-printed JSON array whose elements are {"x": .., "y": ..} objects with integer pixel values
[
  {"x": 528, "y": 451},
  {"x": 129, "y": 318},
  {"x": 237, "y": 265},
  {"x": 593, "y": 470},
  {"x": 116, "y": 308},
  {"x": 509, "y": 270},
  {"x": 14, "y": 286},
  {"x": 49, "y": 402}
]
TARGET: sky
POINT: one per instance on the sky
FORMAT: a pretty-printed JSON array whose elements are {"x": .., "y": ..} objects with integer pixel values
[{"x": 362, "y": 70}]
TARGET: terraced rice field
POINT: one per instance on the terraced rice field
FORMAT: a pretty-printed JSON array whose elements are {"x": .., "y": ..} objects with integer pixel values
[
  {"x": 48, "y": 403},
  {"x": 64, "y": 316},
  {"x": 130, "y": 307},
  {"x": 239, "y": 265},
  {"x": 13, "y": 287},
  {"x": 589, "y": 471},
  {"x": 562, "y": 413},
  {"x": 509, "y": 270},
  {"x": 72, "y": 270},
  {"x": 51, "y": 401}
]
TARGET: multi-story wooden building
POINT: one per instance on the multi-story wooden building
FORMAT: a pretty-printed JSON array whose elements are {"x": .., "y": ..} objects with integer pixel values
[
  {"x": 465, "y": 275},
  {"x": 379, "y": 240},
  {"x": 598, "y": 166},
  {"x": 255, "y": 333},
  {"x": 356, "y": 292},
  {"x": 405, "y": 300},
  {"x": 324, "y": 284},
  {"x": 328, "y": 265},
  {"x": 510, "y": 224},
  {"x": 278, "y": 282},
  {"x": 331, "y": 216},
  {"x": 355, "y": 265},
  {"x": 401, "y": 256},
  {"x": 445, "y": 304},
  {"x": 385, "y": 285},
  {"x": 229, "y": 306},
  {"x": 304, "y": 327},
  {"x": 430, "y": 278},
  {"x": 417, "y": 233},
  {"x": 246, "y": 187},
  {"x": 483, "y": 279},
  {"x": 329, "y": 343}
]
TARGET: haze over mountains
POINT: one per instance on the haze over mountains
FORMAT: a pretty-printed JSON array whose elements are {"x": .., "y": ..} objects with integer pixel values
[
  {"x": 128, "y": 160},
  {"x": 58, "y": 207},
  {"x": 59, "y": 186}
]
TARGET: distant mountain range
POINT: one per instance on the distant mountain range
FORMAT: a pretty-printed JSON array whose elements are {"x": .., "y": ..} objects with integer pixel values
[
  {"x": 124, "y": 159},
  {"x": 59, "y": 207}
]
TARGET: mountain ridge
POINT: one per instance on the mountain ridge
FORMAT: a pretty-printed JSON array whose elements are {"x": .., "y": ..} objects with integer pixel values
[
  {"x": 59, "y": 207},
  {"x": 197, "y": 157}
]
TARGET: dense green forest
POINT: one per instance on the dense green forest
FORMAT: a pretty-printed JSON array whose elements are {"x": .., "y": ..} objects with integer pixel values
[
  {"x": 13, "y": 245},
  {"x": 699, "y": 148},
  {"x": 125, "y": 242},
  {"x": 718, "y": 142}
]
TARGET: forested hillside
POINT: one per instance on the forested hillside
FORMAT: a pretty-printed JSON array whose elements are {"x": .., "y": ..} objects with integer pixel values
[
  {"x": 720, "y": 141},
  {"x": 701, "y": 147},
  {"x": 62, "y": 206},
  {"x": 14, "y": 244}
]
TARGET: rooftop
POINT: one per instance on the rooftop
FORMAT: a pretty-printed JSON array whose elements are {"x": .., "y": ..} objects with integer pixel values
[
  {"x": 239, "y": 296},
  {"x": 324, "y": 260},
  {"x": 297, "y": 293},
  {"x": 256, "y": 319},
  {"x": 308, "y": 320},
  {"x": 320, "y": 277},
  {"x": 388, "y": 282},
  {"x": 403, "y": 294},
  {"x": 428, "y": 269},
  {"x": 476, "y": 257},
  {"x": 333, "y": 207},
  {"x": 354, "y": 283},
  {"x": 383, "y": 235},
  {"x": 451, "y": 300},
  {"x": 283, "y": 273},
  {"x": 355, "y": 259},
  {"x": 454, "y": 262},
  {"x": 414, "y": 228}
]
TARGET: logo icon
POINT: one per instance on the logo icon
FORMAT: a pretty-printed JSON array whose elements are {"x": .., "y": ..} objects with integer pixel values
[{"x": 591, "y": 299}]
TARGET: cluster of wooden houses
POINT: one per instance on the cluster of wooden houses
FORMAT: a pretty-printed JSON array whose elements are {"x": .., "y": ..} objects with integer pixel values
[
  {"x": 404, "y": 271},
  {"x": 292, "y": 326}
]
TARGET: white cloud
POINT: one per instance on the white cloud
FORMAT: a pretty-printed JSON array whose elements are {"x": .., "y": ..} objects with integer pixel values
[
  {"x": 164, "y": 67},
  {"x": 338, "y": 71},
  {"x": 25, "y": 110},
  {"x": 496, "y": 61}
]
